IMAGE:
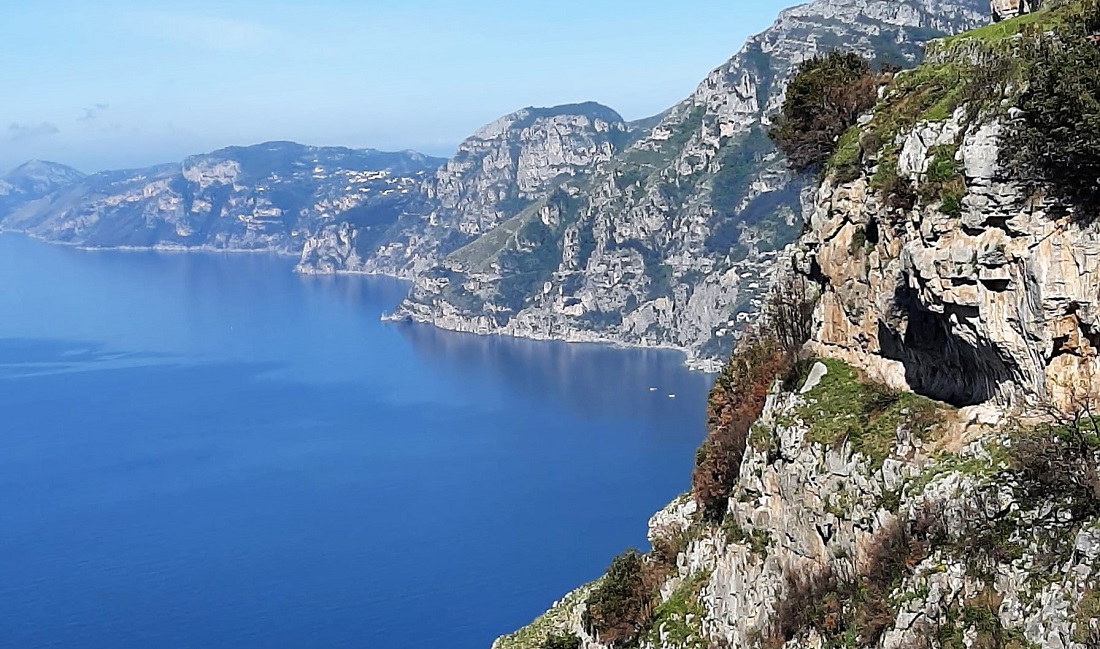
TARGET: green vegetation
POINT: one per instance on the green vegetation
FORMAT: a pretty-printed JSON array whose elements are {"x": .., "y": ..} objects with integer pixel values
[
  {"x": 846, "y": 407},
  {"x": 974, "y": 624},
  {"x": 846, "y": 158},
  {"x": 1088, "y": 614},
  {"x": 944, "y": 181},
  {"x": 562, "y": 641},
  {"x": 552, "y": 624},
  {"x": 826, "y": 96},
  {"x": 681, "y": 616},
  {"x": 757, "y": 539},
  {"x": 621, "y": 605},
  {"x": 1056, "y": 142}
]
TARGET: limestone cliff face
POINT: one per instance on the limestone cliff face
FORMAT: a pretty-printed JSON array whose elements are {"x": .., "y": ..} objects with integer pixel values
[
  {"x": 976, "y": 560},
  {"x": 905, "y": 491},
  {"x": 263, "y": 197},
  {"x": 671, "y": 241},
  {"x": 496, "y": 173},
  {"x": 993, "y": 296}
]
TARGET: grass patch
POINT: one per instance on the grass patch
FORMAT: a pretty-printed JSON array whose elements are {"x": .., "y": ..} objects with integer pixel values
[
  {"x": 844, "y": 162},
  {"x": 681, "y": 617},
  {"x": 944, "y": 182},
  {"x": 552, "y": 623},
  {"x": 847, "y": 407}
]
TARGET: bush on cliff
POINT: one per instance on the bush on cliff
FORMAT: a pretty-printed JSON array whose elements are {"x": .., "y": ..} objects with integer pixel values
[
  {"x": 622, "y": 604},
  {"x": 766, "y": 353},
  {"x": 824, "y": 99},
  {"x": 562, "y": 641},
  {"x": 1056, "y": 140}
]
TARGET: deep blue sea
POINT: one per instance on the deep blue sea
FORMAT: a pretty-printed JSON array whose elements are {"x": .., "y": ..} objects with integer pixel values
[{"x": 208, "y": 451}]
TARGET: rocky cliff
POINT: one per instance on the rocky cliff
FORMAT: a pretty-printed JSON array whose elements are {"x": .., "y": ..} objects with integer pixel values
[
  {"x": 670, "y": 241},
  {"x": 929, "y": 474},
  {"x": 263, "y": 197},
  {"x": 497, "y": 172}
]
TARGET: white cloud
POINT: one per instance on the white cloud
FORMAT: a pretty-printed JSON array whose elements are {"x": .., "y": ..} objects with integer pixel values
[
  {"x": 17, "y": 132},
  {"x": 209, "y": 32}
]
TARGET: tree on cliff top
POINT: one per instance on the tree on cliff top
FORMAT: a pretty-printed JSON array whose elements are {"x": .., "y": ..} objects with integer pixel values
[
  {"x": 824, "y": 99},
  {"x": 1056, "y": 140}
]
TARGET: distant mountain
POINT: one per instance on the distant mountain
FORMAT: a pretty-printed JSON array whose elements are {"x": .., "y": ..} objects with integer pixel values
[
  {"x": 264, "y": 197},
  {"x": 671, "y": 241},
  {"x": 500, "y": 170},
  {"x": 32, "y": 181},
  {"x": 564, "y": 222}
]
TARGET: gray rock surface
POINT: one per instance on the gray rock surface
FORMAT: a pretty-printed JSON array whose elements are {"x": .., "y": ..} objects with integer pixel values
[
  {"x": 988, "y": 302},
  {"x": 671, "y": 241},
  {"x": 263, "y": 197},
  {"x": 501, "y": 169}
]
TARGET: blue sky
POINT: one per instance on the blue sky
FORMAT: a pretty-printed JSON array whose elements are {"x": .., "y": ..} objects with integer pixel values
[{"x": 116, "y": 84}]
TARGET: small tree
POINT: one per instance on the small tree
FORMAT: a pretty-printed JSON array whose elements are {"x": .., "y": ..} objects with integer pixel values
[
  {"x": 766, "y": 352},
  {"x": 824, "y": 99},
  {"x": 621, "y": 605},
  {"x": 1056, "y": 140},
  {"x": 1060, "y": 459},
  {"x": 562, "y": 641}
]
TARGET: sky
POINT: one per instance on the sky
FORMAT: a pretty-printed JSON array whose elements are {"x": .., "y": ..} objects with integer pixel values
[{"x": 115, "y": 84}]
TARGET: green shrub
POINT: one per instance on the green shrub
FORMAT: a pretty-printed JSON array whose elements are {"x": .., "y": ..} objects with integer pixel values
[
  {"x": 622, "y": 604},
  {"x": 1056, "y": 140},
  {"x": 824, "y": 99},
  {"x": 562, "y": 641},
  {"x": 944, "y": 181}
]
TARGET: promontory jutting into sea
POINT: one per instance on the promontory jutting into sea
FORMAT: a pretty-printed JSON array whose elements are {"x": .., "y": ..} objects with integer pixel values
[{"x": 810, "y": 358}]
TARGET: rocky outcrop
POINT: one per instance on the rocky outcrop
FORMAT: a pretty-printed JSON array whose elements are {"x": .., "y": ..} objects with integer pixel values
[
  {"x": 983, "y": 290},
  {"x": 933, "y": 542},
  {"x": 264, "y": 197},
  {"x": 504, "y": 167},
  {"x": 905, "y": 490},
  {"x": 671, "y": 242}
]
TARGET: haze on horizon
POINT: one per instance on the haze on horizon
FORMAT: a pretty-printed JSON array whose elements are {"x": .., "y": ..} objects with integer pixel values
[{"x": 121, "y": 84}]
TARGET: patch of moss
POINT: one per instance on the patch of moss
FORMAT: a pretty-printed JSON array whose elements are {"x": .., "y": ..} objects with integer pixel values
[
  {"x": 846, "y": 407},
  {"x": 757, "y": 540}
]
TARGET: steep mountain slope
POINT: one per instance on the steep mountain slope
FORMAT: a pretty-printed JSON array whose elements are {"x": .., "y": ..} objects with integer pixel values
[
  {"x": 927, "y": 475},
  {"x": 262, "y": 197},
  {"x": 33, "y": 180},
  {"x": 497, "y": 172},
  {"x": 669, "y": 242}
]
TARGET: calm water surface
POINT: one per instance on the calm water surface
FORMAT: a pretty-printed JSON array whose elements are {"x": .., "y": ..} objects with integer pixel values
[{"x": 209, "y": 451}]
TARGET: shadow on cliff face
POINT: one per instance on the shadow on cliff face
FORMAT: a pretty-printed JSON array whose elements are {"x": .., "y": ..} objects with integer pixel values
[{"x": 939, "y": 363}]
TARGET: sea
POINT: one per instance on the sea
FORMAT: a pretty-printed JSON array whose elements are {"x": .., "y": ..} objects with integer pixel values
[{"x": 203, "y": 450}]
